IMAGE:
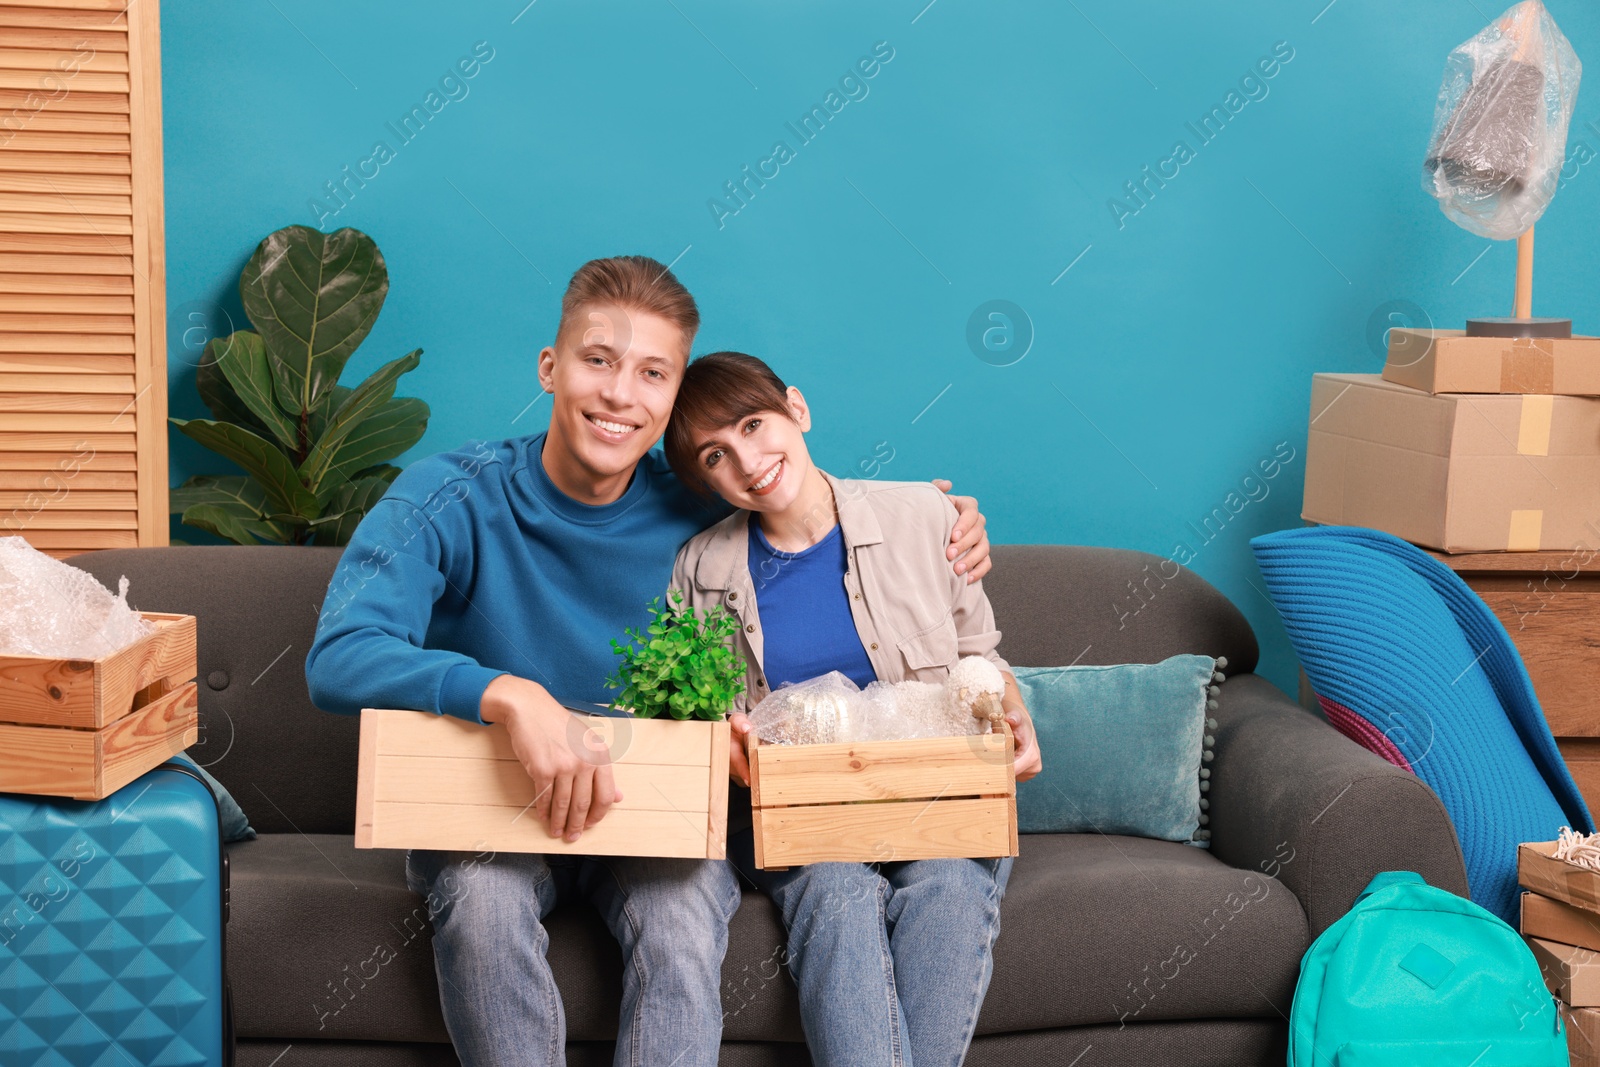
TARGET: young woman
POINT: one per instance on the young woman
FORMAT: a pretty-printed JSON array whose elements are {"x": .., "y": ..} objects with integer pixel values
[{"x": 892, "y": 960}]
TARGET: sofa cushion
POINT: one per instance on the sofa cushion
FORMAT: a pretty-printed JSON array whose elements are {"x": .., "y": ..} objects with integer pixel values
[
  {"x": 1131, "y": 929},
  {"x": 326, "y": 942}
]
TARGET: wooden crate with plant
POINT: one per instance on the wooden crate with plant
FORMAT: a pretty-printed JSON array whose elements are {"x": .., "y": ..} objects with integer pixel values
[{"x": 432, "y": 781}]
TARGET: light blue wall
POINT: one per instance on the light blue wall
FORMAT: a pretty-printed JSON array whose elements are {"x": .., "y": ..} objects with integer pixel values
[{"x": 1173, "y": 357}]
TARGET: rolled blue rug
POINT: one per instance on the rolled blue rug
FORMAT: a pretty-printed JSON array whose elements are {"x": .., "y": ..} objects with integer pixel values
[{"x": 1410, "y": 663}]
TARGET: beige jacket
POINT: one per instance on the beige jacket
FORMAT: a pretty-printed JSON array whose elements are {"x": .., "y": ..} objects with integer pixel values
[{"x": 915, "y": 614}]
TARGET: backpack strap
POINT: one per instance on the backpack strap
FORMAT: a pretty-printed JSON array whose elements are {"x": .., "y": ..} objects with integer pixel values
[{"x": 1385, "y": 879}]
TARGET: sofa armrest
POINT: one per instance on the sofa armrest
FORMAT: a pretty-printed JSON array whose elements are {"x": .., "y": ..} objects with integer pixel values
[{"x": 1296, "y": 799}]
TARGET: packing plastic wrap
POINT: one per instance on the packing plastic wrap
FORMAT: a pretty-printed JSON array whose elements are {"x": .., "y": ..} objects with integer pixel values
[
  {"x": 1500, "y": 127},
  {"x": 51, "y": 608},
  {"x": 832, "y": 708}
]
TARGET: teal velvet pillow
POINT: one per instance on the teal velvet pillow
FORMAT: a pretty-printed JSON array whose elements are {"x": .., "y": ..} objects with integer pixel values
[{"x": 1125, "y": 748}]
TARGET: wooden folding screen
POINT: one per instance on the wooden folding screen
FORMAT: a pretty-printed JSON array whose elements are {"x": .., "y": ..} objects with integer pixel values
[{"x": 83, "y": 380}]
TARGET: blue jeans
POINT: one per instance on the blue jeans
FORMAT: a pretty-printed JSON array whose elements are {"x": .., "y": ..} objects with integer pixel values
[
  {"x": 499, "y": 999},
  {"x": 892, "y": 960}
]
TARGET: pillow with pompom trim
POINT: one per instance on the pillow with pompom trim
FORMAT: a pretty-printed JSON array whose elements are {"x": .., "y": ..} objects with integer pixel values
[{"x": 1126, "y": 747}]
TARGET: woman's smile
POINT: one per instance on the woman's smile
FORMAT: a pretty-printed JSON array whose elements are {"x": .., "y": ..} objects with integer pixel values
[{"x": 768, "y": 481}]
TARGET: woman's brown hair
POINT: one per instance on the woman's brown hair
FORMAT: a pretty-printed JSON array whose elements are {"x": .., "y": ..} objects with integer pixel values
[{"x": 719, "y": 389}]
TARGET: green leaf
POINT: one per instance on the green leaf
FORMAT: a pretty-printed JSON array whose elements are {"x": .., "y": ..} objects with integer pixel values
[
  {"x": 233, "y": 490},
  {"x": 219, "y": 520},
  {"x": 317, "y": 421},
  {"x": 313, "y": 297},
  {"x": 242, "y": 359},
  {"x": 218, "y": 396},
  {"x": 259, "y": 457},
  {"x": 384, "y": 435},
  {"x": 345, "y": 509},
  {"x": 364, "y": 402}
]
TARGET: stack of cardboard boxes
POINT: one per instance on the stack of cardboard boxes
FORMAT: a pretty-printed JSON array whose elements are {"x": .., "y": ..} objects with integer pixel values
[
  {"x": 1462, "y": 444},
  {"x": 1561, "y": 923}
]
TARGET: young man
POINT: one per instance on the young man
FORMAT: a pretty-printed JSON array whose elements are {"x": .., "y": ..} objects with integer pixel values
[{"x": 488, "y": 579}]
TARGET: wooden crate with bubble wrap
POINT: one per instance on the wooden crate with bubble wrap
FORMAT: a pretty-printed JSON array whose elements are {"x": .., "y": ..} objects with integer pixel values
[
  {"x": 884, "y": 801},
  {"x": 84, "y": 728}
]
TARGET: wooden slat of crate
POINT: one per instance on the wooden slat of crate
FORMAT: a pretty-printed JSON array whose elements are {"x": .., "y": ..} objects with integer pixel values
[
  {"x": 885, "y": 832},
  {"x": 929, "y": 767},
  {"x": 411, "y": 733},
  {"x": 474, "y": 780},
  {"x": 92, "y": 764},
  {"x": 432, "y": 781},
  {"x": 90, "y": 694},
  {"x": 623, "y": 832}
]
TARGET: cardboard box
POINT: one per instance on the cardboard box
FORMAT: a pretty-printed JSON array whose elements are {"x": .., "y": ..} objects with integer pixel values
[
  {"x": 86, "y": 728},
  {"x": 884, "y": 801},
  {"x": 1570, "y": 972},
  {"x": 1583, "y": 1036},
  {"x": 1554, "y": 921},
  {"x": 1540, "y": 871},
  {"x": 1448, "y": 361},
  {"x": 1456, "y": 472},
  {"x": 436, "y": 781}
]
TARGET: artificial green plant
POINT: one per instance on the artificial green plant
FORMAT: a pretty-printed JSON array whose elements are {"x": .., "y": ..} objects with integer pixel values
[
  {"x": 682, "y": 664},
  {"x": 315, "y": 452}
]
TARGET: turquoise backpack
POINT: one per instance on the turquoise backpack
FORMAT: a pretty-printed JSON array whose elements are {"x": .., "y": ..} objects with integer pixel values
[{"x": 1418, "y": 977}]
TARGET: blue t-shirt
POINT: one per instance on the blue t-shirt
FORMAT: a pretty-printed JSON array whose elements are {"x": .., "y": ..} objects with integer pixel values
[
  {"x": 474, "y": 565},
  {"x": 806, "y": 627}
]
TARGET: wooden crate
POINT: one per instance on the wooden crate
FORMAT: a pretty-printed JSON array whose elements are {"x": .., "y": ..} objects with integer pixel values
[
  {"x": 86, "y": 728},
  {"x": 884, "y": 801},
  {"x": 436, "y": 781}
]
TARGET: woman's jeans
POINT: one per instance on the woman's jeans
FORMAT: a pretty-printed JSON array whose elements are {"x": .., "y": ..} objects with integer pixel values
[
  {"x": 500, "y": 1003},
  {"x": 892, "y": 960}
]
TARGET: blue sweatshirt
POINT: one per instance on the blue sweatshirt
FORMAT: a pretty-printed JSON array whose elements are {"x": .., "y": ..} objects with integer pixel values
[{"x": 475, "y": 565}]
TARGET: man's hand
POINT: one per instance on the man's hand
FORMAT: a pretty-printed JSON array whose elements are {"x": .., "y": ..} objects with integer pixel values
[
  {"x": 569, "y": 764},
  {"x": 969, "y": 541},
  {"x": 738, "y": 755}
]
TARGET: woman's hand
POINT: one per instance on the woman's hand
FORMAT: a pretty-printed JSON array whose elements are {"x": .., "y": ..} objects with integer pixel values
[
  {"x": 969, "y": 542},
  {"x": 1026, "y": 761},
  {"x": 738, "y": 757}
]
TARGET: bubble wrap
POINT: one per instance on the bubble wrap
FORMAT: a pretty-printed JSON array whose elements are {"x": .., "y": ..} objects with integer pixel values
[
  {"x": 832, "y": 708},
  {"x": 51, "y": 608},
  {"x": 1500, "y": 125}
]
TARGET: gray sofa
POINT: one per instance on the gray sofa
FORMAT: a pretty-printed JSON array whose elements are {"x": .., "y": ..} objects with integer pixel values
[{"x": 1145, "y": 951}]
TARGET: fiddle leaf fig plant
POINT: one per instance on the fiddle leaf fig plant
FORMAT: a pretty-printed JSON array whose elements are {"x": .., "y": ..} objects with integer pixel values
[
  {"x": 315, "y": 453},
  {"x": 682, "y": 664}
]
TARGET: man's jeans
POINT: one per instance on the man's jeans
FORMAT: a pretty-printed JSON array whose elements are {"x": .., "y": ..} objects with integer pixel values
[
  {"x": 499, "y": 999},
  {"x": 892, "y": 960}
]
